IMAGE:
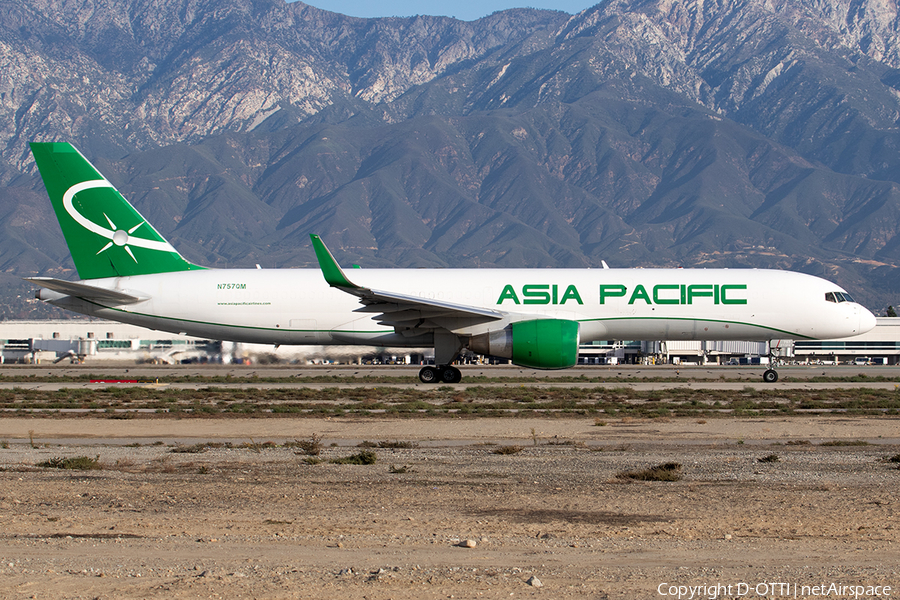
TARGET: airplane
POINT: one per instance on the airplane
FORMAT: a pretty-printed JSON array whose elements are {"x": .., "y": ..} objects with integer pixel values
[{"x": 533, "y": 317}]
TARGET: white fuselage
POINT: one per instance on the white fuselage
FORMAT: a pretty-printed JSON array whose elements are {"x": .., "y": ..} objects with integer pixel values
[{"x": 297, "y": 306}]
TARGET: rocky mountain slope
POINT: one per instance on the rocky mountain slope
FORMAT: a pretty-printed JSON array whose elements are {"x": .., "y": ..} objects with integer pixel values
[{"x": 758, "y": 133}]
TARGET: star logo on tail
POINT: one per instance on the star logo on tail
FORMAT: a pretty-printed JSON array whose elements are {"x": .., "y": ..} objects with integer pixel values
[
  {"x": 116, "y": 236},
  {"x": 120, "y": 238}
]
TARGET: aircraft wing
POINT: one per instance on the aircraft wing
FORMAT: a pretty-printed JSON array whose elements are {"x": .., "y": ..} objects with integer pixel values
[
  {"x": 83, "y": 290},
  {"x": 405, "y": 313}
]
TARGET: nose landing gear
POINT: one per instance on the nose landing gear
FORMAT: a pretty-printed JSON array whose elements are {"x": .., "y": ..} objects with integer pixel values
[{"x": 440, "y": 374}]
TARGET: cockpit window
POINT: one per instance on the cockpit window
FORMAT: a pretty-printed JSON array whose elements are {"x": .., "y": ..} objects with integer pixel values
[{"x": 838, "y": 297}]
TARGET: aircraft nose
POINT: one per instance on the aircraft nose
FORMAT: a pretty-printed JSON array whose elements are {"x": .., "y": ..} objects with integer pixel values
[{"x": 866, "y": 320}]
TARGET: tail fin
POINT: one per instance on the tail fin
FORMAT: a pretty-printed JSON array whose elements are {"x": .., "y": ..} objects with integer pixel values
[{"x": 105, "y": 234}]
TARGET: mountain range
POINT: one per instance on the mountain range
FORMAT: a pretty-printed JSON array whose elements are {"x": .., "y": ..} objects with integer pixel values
[{"x": 705, "y": 133}]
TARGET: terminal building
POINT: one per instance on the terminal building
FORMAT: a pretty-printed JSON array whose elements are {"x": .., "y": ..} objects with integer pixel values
[
  {"x": 91, "y": 340},
  {"x": 79, "y": 340},
  {"x": 881, "y": 345}
]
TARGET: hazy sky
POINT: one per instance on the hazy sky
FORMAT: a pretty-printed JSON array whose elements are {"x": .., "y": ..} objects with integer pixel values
[{"x": 467, "y": 10}]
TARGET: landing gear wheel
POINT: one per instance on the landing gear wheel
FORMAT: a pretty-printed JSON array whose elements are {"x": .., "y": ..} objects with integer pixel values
[
  {"x": 429, "y": 375},
  {"x": 770, "y": 376},
  {"x": 450, "y": 375}
]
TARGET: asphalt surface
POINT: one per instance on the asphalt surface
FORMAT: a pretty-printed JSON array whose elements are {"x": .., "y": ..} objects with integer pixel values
[{"x": 405, "y": 376}]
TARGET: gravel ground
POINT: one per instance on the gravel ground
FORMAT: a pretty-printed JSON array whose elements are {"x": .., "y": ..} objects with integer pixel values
[{"x": 261, "y": 522}]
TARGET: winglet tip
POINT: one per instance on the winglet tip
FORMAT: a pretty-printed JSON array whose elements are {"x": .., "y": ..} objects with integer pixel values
[{"x": 331, "y": 270}]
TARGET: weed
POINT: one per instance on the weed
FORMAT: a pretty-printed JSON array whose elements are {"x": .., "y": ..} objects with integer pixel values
[
  {"x": 125, "y": 414},
  {"x": 366, "y": 457},
  {"x": 508, "y": 450},
  {"x": 310, "y": 447},
  {"x": 78, "y": 463},
  {"x": 195, "y": 448},
  {"x": 845, "y": 443},
  {"x": 894, "y": 459},
  {"x": 396, "y": 444},
  {"x": 599, "y": 423},
  {"x": 4, "y": 444},
  {"x": 799, "y": 443},
  {"x": 558, "y": 442},
  {"x": 257, "y": 446},
  {"x": 769, "y": 458},
  {"x": 311, "y": 460},
  {"x": 403, "y": 469},
  {"x": 162, "y": 464},
  {"x": 665, "y": 472}
]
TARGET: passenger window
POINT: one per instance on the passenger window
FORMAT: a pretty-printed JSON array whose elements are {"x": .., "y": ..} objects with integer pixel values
[{"x": 829, "y": 297}]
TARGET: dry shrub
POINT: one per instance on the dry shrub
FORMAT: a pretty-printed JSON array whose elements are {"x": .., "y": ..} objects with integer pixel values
[
  {"x": 77, "y": 463},
  {"x": 310, "y": 447},
  {"x": 397, "y": 444},
  {"x": 670, "y": 471},
  {"x": 366, "y": 457}
]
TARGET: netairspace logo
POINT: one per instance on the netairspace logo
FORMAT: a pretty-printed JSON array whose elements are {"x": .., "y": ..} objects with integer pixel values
[{"x": 771, "y": 589}]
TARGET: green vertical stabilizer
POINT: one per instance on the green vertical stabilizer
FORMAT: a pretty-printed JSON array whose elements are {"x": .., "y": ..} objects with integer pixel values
[{"x": 105, "y": 234}]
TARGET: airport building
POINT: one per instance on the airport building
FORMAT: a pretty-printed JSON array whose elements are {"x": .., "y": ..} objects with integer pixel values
[
  {"x": 96, "y": 340},
  {"x": 878, "y": 346},
  {"x": 80, "y": 340}
]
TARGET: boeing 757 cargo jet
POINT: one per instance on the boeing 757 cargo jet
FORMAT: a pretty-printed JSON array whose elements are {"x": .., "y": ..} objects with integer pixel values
[{"x": 533, "y": 317}]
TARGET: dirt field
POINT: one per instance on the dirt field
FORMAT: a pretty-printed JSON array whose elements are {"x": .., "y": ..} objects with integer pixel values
[{"x": 248, "y": 520}]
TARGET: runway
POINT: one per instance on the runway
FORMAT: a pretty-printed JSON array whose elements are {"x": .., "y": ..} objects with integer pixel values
[{"x": 638, "y": 378}]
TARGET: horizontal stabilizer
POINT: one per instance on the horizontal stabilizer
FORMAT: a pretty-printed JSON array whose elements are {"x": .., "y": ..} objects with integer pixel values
[{"x": 82, "y": 290}]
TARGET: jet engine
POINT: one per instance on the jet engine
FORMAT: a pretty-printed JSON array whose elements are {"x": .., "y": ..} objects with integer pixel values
[{"x": 538, "y": 343}]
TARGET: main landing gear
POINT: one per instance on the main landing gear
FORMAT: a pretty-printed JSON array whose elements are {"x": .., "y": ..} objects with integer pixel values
[
  {"x": 771, "y": 375},
  {"x": 445, "y": 374}
]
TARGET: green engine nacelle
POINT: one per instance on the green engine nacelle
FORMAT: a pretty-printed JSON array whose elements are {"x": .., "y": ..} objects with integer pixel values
[{"x": 539, "y": 343}]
